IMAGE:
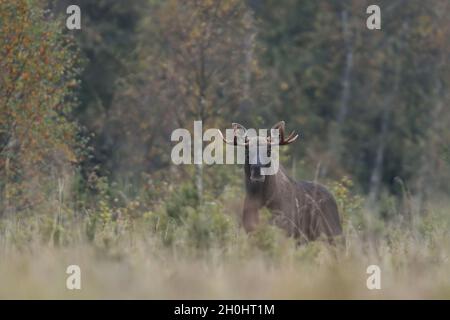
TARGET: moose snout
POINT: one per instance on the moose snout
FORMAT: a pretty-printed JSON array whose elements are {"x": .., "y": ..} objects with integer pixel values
[{"x": 255, "y": 174}]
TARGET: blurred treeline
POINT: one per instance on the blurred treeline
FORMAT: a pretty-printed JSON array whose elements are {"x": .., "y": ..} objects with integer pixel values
[{"x": 102, "y": 101}]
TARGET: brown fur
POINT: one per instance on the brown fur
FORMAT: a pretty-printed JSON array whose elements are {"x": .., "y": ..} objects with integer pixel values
[{"x": 305, "y": 210}]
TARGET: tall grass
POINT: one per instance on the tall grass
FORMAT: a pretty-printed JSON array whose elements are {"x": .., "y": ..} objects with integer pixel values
[{"x": 179, "y": 248}]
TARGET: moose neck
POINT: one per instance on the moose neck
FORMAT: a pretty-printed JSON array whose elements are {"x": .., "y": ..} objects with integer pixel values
[{"x": 264, "y": 189}]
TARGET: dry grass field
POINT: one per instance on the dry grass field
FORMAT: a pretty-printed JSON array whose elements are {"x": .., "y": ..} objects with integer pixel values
[{"x": 143, "y": 257}]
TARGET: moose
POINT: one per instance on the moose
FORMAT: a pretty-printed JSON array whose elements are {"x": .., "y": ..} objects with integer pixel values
[{"x": 305, "y": 210}]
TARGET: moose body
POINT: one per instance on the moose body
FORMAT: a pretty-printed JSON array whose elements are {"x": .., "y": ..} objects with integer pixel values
[{"x": 305, "y": 210}]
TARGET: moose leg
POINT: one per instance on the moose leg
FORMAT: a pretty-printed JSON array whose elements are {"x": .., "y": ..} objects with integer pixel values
[{"x": 250, "y": 214}]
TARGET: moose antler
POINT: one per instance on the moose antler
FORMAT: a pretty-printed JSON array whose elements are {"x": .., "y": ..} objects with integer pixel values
[
  {"x": 280, "y": 126},
  {"x": 235, "y": 126},
  {"x": 291, "y": 138}
]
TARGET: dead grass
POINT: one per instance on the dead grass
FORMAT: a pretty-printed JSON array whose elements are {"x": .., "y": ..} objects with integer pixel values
[{"x": 137, "y": 265}]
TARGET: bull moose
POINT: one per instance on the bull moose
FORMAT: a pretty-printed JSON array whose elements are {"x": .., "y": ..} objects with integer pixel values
[{"x": 305, "y": 210}]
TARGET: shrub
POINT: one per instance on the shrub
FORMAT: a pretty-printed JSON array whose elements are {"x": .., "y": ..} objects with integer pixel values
[{"x": 38, "y": 68}]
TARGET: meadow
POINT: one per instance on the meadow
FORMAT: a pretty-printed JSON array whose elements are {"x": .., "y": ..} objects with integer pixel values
[{"x": 174, "y": 251}]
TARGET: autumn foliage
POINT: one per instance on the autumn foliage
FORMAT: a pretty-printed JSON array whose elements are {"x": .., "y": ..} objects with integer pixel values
[{"x": 37, "y": 74}]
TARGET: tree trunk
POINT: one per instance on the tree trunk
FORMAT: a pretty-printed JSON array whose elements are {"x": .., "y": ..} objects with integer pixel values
[
  {"x": 199, "y": 181},
  {"x": 335, "y": 138},
  {"x": 346, "y": 76},
  {"x": 198, "y": 159},
  {"x": 433, "y": 137},
  {"x": 246, "y": 104},
  {"x": 375, "y": 178}
]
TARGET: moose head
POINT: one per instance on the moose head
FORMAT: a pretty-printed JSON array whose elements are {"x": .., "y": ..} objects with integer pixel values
[{"x": 259, "y": 150}]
